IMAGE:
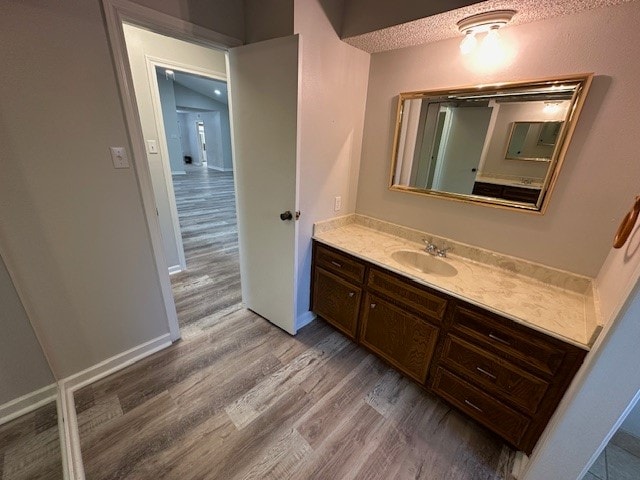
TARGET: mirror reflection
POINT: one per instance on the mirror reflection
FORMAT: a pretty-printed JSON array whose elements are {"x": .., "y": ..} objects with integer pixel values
[
  {"x": 29, "y": 437},
  {"x": 533, "y": 140},
  {"x": 493, "y": 145}
]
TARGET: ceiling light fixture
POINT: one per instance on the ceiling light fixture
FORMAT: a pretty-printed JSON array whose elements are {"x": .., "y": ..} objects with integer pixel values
[
  {"x": 217, "y": 92},
  {"x": 169, "y": 74},
  {"x": 487, "y": 22}
]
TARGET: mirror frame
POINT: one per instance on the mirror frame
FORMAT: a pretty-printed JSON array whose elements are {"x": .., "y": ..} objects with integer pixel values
[{"x": 555, "y": 164}]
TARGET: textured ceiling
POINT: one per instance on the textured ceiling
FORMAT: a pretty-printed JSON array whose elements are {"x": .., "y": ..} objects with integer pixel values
[{"x": 443, "y": 25}]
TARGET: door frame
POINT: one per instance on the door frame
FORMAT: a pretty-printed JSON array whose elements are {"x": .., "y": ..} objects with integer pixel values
[
  {"x": 116, "y": 13},
  {"x": 151, "y": 63}
]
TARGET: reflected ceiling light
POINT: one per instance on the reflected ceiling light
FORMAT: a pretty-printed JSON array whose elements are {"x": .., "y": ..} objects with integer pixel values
[
  {"x": 551, "y": 107},
  {"x": 487, "y": 22},
  {"x": 217, "y": 92}
]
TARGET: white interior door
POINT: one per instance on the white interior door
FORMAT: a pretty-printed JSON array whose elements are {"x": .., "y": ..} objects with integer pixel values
[{"x": 263, "y": 90}]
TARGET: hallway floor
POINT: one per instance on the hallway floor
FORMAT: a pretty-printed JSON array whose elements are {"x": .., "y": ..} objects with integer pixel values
[{"x": 207, "y": 212}]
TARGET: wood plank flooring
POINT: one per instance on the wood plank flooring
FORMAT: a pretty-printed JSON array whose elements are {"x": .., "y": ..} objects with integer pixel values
[
  {"x": 238, "y": 398},
  {"x": 244, "y": 400},
  {"x": 30, "y": 446},
  {"x": 207, "y": 213}
]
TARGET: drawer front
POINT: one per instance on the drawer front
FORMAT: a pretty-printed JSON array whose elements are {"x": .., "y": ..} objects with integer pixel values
[
  {"x": 498, "y": 417},
  {"x": 405, "y": 341},
  {"x": 337, "y": 301},
  {"x": 407, "y": 293},
  {"x": 493, "y": 374},
  {"x": 343, "y": 265},
  {"x": 528, "y": 348},
  {"x": 521, "y": 194}
]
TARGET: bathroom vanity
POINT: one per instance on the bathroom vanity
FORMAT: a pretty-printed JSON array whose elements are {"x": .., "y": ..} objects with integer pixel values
[{"x": 498, "y": 338}]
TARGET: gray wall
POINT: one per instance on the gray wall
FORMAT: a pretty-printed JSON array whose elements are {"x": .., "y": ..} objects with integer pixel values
[
  {"x": 170, "y": 121},
  {"x": 222, "y": 16},
  {"x": 23, "y": 367},
  {"x": 187, "y": 98},
  {"x": 599, "y": 177},
  {"x": 266, "y": 19},
  {"x": 72, "y": 228}
]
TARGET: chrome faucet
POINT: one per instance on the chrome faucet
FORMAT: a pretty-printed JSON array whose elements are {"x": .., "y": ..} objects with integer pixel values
[{"x": 432, "y": 249}]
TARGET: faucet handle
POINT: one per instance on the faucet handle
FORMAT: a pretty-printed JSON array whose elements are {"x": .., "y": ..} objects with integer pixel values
[{"x": 442, "y": 252}]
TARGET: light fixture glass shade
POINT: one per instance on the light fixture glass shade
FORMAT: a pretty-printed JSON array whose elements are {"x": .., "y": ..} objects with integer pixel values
[
  {"x": 468, "y": 43},
  {"x": 491, "y": 43}
]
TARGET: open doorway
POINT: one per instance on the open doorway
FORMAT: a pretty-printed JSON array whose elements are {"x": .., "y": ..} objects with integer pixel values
[
  {"x": 620, "y": 459},
  {"x": 184, "y": 110}
]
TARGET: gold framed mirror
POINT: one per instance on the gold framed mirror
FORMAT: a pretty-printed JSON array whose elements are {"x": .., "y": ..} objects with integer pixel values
[{"x": 501, "y": 145}]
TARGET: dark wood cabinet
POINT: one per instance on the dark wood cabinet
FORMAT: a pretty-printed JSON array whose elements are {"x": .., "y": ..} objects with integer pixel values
[
  {"x": 337, "y": 301},
  {"x": 404, "y": 340},
  {"x": 506, "y": 192},
  {"x": 508, "y": 377}
]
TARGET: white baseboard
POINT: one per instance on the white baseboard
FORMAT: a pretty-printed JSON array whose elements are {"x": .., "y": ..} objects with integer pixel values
[
  {"x": 175, "y": 269},
  {"x": 220, "y": 169},
  {"x": 519, "y": 462},
  {"x": 180, "y": 172},
  {"x": 72, "y": 455},
  {"x": 305, "y": 319},
  {"x": 28, "y": 403}
]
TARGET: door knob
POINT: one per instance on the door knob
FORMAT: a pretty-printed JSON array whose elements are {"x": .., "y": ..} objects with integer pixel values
[{"x": 286, "y": 215}]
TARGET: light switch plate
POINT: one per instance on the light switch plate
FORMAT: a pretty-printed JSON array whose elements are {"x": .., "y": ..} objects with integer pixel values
[
  {"x": 152, "y": 146},
  {"x": 337, "y": 204},
  {"x": 119, "y": 157}
]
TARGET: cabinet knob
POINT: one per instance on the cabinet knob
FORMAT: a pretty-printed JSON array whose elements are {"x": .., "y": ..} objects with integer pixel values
[
  {"x": 351, "y": 294},
  {"x": 372, "y": 306}
]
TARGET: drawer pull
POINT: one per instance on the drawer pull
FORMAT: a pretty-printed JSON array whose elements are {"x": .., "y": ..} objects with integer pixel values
[
  {"x": 339, "y": 265},
  {"x": 498, "y": 339},
  {"x": 351, "y": 294},
  {"x": 488, "y": 374},
  {"x": 373, "y": 305},
  {"x": 475, "y": 407}
]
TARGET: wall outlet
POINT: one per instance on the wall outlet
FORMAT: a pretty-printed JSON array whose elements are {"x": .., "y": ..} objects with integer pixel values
[
  {"x": 119, "y": 157},
  {"x": 337, "y": 204}
]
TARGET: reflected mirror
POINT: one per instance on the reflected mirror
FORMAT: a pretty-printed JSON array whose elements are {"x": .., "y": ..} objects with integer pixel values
[{"x": 501, "y": 145}]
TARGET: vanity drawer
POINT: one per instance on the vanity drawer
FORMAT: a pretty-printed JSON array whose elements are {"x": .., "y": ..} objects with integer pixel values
[
  {"x": 494, "y": 374},
  {"x": 407, "y": 293},
  {"x": 339, "y": 263},
  {"x": 513, "y": 342},
  {"x": 498, "y": 417},
  {"x": 405, "y": 341},
  {"x": 337, "y": 301}
]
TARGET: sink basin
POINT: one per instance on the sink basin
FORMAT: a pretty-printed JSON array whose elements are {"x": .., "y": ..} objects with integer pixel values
[{"x": 425, "y": 263}]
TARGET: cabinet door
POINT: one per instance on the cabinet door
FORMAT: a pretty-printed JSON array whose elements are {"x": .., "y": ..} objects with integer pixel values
[
  {"x": 337, "y": 301},
  {"x": 405, "y": 341}
]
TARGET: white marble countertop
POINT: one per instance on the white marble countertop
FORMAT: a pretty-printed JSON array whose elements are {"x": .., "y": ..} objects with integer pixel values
[
  {"x": 562, "y": 306},
  {"x": 535, "y": 185}
]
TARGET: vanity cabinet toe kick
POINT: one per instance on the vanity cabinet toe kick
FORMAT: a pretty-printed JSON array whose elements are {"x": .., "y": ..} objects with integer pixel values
[{"x": 506, "y": 376}]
